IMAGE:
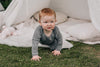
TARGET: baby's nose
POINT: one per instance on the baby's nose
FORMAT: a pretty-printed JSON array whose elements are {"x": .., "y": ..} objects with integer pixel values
[{"x": 49, "y": 23}]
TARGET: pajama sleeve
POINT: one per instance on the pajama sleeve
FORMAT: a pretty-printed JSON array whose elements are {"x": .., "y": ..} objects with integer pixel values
[
  {"x": 35, "y": 41},
  {"x": 58, "y": 38}
]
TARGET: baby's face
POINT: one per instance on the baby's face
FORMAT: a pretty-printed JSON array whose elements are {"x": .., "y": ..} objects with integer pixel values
[{"x": 48, "y": 22}]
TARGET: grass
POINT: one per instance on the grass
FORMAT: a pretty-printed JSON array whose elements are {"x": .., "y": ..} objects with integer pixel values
[{"x": 81, "y": 55}]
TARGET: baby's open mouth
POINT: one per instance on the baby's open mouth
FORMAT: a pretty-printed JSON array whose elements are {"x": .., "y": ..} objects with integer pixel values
[{"x": 49, "y": 27}]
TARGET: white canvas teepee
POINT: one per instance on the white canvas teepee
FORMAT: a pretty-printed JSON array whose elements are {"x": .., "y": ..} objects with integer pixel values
[
  {"x": 1, "y": 7},
  {"x": 83, "y": 24}
]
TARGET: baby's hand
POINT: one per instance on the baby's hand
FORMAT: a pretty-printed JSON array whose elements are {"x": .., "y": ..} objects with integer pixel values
[
  {"x": 56, "y": 52},
  {"x": 36, "y": 58}
]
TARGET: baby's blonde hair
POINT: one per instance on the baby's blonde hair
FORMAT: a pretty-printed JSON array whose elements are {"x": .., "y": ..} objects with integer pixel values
[{"x": 46, "y": 12}]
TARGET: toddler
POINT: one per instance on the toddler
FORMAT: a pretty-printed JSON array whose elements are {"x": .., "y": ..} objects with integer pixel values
[{"x": 46, "y": 34}]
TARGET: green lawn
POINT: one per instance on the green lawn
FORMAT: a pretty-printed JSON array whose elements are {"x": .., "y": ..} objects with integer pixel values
[{"x": 81, "y": 55}]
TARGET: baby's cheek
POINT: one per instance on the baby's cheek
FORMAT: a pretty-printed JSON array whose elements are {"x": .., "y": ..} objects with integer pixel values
[{"x": 53, "y": 26}]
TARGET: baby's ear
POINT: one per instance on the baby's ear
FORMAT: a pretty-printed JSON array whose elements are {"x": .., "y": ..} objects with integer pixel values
[
  {"x": 55, "y": 20},
  {"x": 39, "y": 22}
]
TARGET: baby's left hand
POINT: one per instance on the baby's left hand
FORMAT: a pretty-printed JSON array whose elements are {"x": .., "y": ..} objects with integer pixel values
[{"x": 56, "y": 52}]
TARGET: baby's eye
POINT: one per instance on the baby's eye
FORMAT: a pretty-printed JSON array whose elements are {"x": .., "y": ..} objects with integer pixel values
[
  {"x": 45, "y": 22},
  {"x": 51, "y": 21}
]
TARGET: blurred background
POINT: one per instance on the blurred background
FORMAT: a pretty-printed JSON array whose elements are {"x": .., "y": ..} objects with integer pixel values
[{"x": 5, "y": 3}]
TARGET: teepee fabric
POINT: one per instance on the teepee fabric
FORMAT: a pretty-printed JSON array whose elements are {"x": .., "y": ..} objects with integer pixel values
[
  {"x": 17, "y": 16},
  {"x": 1, "y": 7},
  {"x": 94, "y": 7},
  {"x": 21, "y": 10}
]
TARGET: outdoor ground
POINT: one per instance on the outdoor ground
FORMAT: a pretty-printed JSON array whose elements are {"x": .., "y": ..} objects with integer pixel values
[{"x": 81, "y": 55}]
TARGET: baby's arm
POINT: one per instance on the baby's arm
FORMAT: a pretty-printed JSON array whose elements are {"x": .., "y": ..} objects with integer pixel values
[
  {"x": 59, "y": 42},
  {"x": 59, "y": 39},
  {"x": 35, "y": 41}
]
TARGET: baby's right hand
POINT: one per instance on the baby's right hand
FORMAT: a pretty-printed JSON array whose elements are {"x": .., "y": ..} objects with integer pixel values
[{"x": 36, "y": 58}]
